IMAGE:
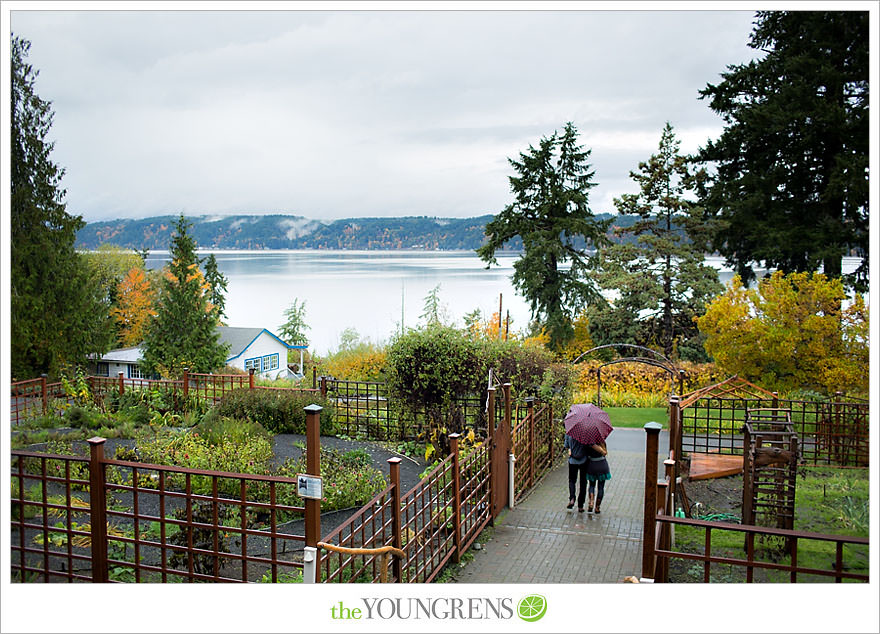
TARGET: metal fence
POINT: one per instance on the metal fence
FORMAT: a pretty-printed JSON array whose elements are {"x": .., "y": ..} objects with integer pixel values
[
  {"x": 537, "y": 443},
  {"x": 433, "y": 523},
  {"x": 658, "y": 544},
  {"x": 102, "y": 520},
  {"x": 829, "y": 432},
  {"x": 32, "y": 398}
]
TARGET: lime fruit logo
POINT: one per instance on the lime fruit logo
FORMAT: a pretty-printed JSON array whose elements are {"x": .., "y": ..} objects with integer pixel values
[{"x": 532, "y": 607}]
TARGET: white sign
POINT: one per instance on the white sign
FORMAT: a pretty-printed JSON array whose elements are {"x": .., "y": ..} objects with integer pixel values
[{"x": 309, "y": 486}]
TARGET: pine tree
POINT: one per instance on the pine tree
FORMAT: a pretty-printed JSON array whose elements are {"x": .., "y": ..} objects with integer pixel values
[
  {"x": 293, "y": 331},
  {"x": 551, "y": 215},
  {"x": 183, "y": 334},
  {"x": 218, "y": 283},
  {"x": 657, "y": 268},
  {"x": 791, "y": 181},
  {"x": 56, "y": 308}
]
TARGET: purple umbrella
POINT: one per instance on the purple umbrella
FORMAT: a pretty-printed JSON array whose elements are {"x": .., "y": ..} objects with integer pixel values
[{"x": 588, "y": 424}]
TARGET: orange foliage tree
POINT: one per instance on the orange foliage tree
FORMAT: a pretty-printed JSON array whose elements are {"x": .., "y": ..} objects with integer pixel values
[{"x": 134, "y": 307}]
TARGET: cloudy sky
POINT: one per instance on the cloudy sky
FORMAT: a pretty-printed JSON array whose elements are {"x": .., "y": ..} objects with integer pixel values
[{"x": 331, "y": 114}]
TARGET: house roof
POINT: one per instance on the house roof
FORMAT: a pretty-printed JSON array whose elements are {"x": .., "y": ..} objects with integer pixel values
[
  {"x": 238, "y": 339},
  {"x": 123, "y": 355}
]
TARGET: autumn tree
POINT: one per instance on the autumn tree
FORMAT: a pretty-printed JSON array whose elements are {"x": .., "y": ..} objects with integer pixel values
[
  {"x": 135, "y": 300},
  {"x": 657, "y": 267},
  {"x": 790, "y": 180},
  {"x": 183, "y": 333},
  {"x": 551, "y": 215},
  {"x": 790, "y": 332},
  {"x": 56, "y": 308}
]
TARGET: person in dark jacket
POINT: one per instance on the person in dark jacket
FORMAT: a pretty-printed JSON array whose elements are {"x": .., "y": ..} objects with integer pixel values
[
  {"x": 577, "y": 470},
  {"x": 597, "y": 471}
]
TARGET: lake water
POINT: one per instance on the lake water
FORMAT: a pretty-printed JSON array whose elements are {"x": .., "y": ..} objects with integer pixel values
[{"x": 370, "y": 291}]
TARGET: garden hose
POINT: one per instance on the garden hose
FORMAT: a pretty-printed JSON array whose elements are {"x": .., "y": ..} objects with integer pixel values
[{"x": 719, "y": 517}]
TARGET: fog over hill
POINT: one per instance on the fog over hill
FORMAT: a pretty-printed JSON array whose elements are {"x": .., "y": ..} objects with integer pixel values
[{"x": 280, "y": 231}]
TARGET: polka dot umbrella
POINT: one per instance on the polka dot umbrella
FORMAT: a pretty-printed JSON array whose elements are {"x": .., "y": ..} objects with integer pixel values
[{"x": 587, "y": 423}]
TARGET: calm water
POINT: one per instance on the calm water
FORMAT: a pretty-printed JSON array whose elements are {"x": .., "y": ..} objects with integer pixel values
[{"x": 370, "y": 291}]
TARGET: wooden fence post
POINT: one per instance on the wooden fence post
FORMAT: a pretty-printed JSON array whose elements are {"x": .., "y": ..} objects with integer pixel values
[
  {"x": 250, "y": 378},
  {"x": 185, "y": 382},
  {"x": 652, "y": 440},
  {"x": 324, "y": 386},
  {"x": 456, "y": 497},
  {"x": 530, "y": 404},
  {"x": 121, "y": 381},
  {"x": 397, "y": 536},
  {"x": 44, "y": 393},
  {"x": 98, "y": 510},
  {"x": 313, "y": 467},
  {"x": 314, "y": 377}
]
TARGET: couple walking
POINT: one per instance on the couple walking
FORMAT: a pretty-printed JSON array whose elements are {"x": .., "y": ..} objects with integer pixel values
[
  {"x": 587, "y": 462},
  {"x": 586, "y": 427}
]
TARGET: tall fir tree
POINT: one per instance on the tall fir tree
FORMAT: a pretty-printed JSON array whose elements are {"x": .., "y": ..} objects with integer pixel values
[
  {"x": 56, "y": 308},
  {"x": 218, "y": 283},
  {"x": 657, "y": 268},
  {"x": 790, "y": 186},
  {"x": 183, "y": 334},
  {"x": 552, "y": 216}
]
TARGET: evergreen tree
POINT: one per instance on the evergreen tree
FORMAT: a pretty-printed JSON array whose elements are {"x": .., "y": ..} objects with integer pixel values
[
  {"x": 218, "y": 283},
  {"x": 293, "y": 331},
  {"x": 791, "y": 188},
  {"x": 56, "y": 308},
  {"x": 183, "y": 334},
  {"x": 433, "y": 310},
  {"x": 657, "y": 269},
  {"x": 551, "y": 215}
]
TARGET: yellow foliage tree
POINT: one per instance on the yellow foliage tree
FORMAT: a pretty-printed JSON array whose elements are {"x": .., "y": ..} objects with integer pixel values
[
  {"x": 134, "y": 307},
  {"x": 791, "y": 332}
]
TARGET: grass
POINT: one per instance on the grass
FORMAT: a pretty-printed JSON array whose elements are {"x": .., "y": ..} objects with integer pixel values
[{"x": 637, "y": 416}]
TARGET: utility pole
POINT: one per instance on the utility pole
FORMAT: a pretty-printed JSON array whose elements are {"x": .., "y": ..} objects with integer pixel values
[{"x": 500, "y": 296}]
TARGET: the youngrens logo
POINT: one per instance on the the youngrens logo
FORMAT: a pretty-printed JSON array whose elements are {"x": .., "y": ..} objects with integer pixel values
[{"x": 529, "y": 608}]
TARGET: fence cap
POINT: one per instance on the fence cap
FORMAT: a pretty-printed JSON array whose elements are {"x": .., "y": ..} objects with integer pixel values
[
  {"x": 652, "y": 426},
  {"x": 313, "y": 408}
]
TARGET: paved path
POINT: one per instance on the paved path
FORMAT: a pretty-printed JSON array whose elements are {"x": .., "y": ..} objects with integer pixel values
[{"x": 540, "y": 541}]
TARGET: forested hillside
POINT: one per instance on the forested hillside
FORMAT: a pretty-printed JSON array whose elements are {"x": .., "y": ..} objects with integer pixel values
[{"x": 295, "y": 232}]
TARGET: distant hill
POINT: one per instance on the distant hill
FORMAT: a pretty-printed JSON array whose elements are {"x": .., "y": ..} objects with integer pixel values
[{"x": 296, "y": 232}]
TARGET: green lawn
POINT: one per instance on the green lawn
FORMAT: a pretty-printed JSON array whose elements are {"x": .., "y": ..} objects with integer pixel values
[{"x": 637, "y": 416}]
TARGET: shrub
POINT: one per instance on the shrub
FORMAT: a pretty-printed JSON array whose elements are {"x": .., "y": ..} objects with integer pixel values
[
  {"x": 349, "y": 480},
  {"x": 278, "y": 411},
  {"x": 363, "y": 362},
  {"x": 215, "y": 428}
]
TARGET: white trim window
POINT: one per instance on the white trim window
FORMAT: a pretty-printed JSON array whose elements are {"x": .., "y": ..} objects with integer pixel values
[
  {"x": 134, "y": 372},
  {"x": 262, "y": 364}
]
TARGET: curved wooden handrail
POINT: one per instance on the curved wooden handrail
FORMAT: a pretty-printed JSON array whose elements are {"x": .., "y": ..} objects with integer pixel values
[
  {"x": 383, "y": 553},
  {"x": 363, "y": 551}
]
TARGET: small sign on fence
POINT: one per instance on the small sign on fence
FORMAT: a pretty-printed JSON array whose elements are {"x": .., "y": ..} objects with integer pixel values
[{"x": 309, "y": 486}]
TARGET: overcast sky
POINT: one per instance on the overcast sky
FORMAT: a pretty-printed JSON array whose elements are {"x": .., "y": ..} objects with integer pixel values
[{"x": 336, "y": 114}]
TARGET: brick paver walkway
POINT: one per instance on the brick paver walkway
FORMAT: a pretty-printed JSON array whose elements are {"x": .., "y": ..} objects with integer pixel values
[{"x": 540, "y": 541}]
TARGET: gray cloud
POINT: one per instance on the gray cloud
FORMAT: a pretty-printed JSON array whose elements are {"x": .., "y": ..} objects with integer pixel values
[{"x": 361, "y": 113}]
